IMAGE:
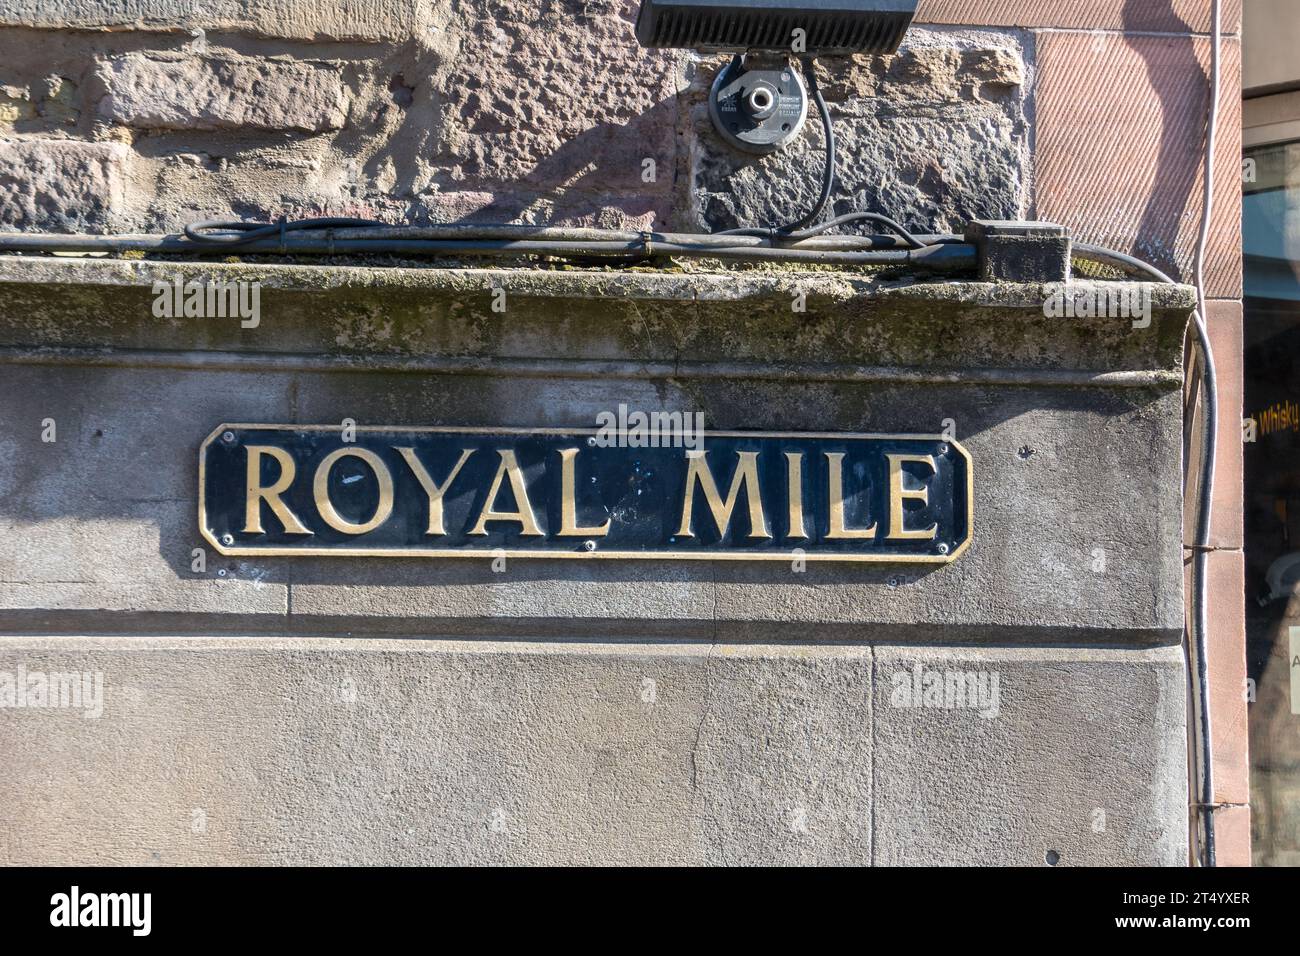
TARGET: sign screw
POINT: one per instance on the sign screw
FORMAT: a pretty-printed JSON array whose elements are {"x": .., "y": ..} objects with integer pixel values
[
  {"x": 943, "y": 549},
  {"x": 589, "y": 545},
  {"x": 227, "y": 437},
  {"x": 591, "y": 442},
  {"x": 227, "y": 539}
]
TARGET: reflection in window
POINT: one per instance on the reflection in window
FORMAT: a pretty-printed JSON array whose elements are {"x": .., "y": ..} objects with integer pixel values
[{"x": 1271, "y": 249}]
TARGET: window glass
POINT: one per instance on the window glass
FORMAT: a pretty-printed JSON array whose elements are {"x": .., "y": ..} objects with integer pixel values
[{"x": 1271, "y": 249}]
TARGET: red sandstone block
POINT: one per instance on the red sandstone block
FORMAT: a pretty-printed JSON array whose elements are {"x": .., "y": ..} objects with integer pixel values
[
  {"x": 1158, "y": 16},
  {"x": 1232, "y": 836},
  {"x": 1226, "y": 340},
  {"x": 1120, "y": 145},
  {"x": 1227, "y": 660}
]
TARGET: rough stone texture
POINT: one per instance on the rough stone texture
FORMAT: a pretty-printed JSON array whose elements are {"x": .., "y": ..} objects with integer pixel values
[
  {"x": 935, "y": 136},
  {"x": 291, "y": 19},
  {"x": 49, "y": 103},
  {"x": 506, "y": 111},
  {"x": 60, "y": 185},
  {"x": 496, "y": 111},
  {"x": 547, "y": 112},
  {"x": 560, "y": 102},
  {"x": 209, "y": 94}
]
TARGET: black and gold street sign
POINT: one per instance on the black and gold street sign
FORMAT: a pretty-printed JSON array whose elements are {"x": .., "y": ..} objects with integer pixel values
[{"x": 575, "y": 493}]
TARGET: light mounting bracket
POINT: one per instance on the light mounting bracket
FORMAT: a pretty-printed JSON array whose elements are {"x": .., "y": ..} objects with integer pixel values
[{"x": 759, "y": 102}]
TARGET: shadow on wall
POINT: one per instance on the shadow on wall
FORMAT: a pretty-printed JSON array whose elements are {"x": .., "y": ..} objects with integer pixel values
[
  {"x": 934, "y": 135},
  {"x": 1179, "y": 154},
  {"x": 551, "y": 141},
  {"x": 600, "y": 175}
]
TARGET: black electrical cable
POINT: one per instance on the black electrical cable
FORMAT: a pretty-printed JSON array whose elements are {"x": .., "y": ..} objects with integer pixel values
[
  {"x": 1207, "y": 804},
  {"x": 828, "y": 171},
  {"x": 817, "y": 230},
  {"x": 331, "y": 236},
  {"x": 893, "y": 226},
  {"x": 236, "y": 233},
  {"x": 800, "y": 228},
  {"x": 828, "y": 129}
]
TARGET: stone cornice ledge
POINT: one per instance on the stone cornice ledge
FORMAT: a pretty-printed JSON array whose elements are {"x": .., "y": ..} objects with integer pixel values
[{"x": 705, "y": 286}]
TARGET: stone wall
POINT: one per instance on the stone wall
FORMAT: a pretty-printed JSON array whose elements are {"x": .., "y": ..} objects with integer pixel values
[
  {"x": 435, "y": 110},
  {"x": 141, "y": 116},
  {"x": 326, "y": 709},
  {"x": 488, "y": 111},
  {"x": 498, "y": 110}
]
